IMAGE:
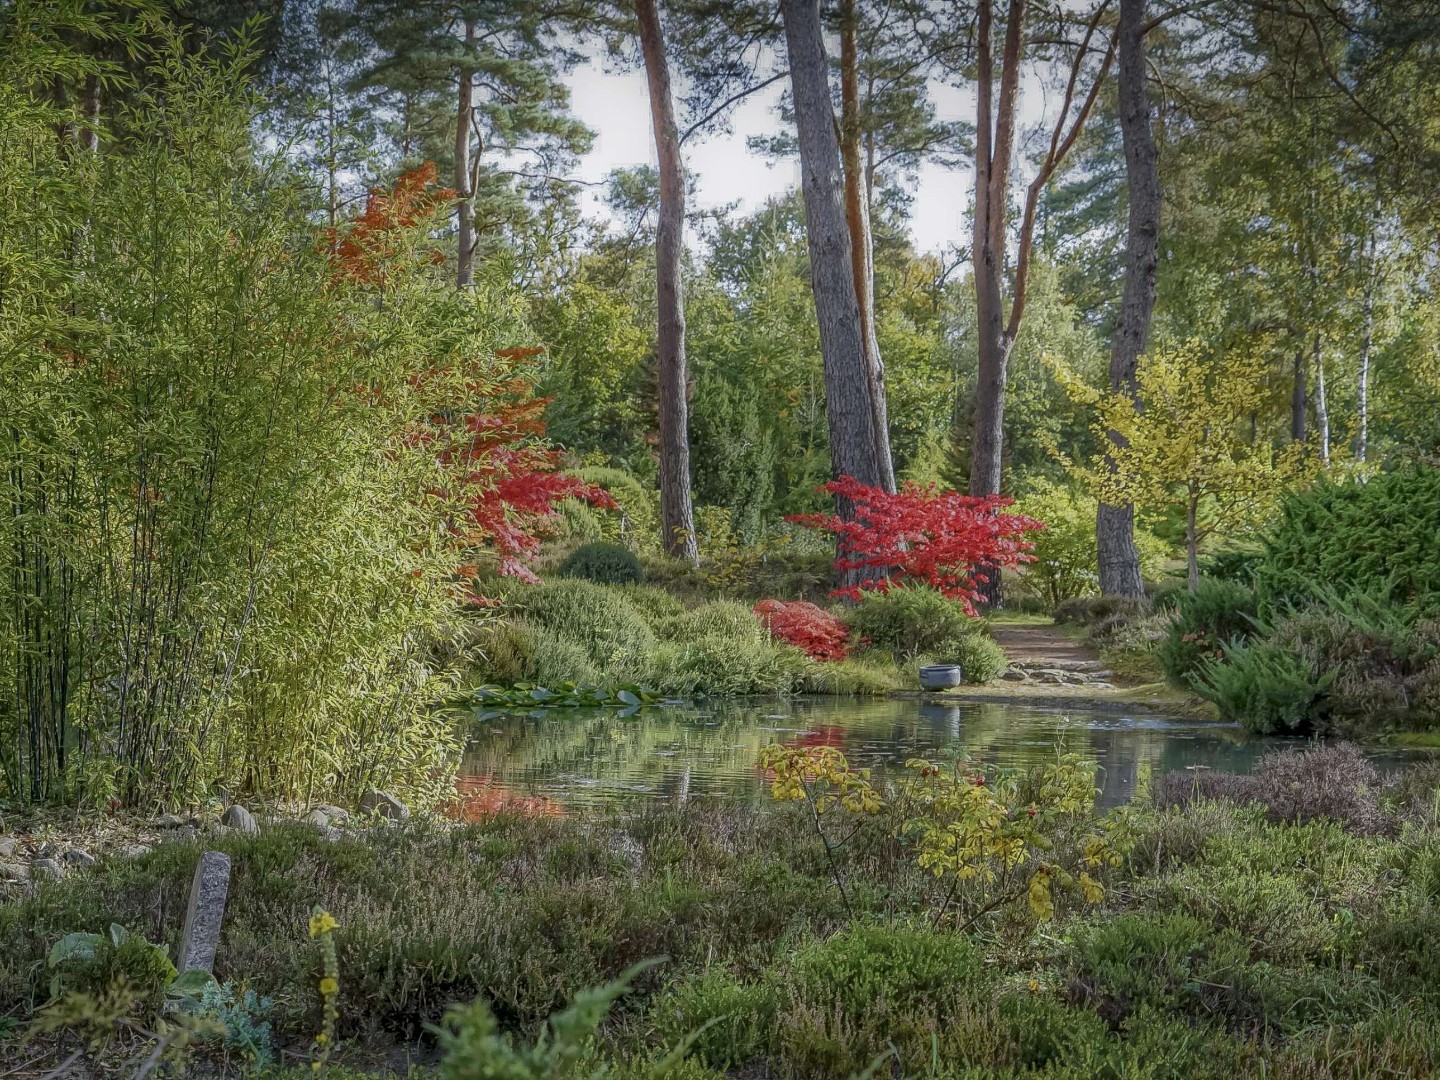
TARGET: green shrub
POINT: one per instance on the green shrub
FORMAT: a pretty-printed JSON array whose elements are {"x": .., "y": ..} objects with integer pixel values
[
  {"x": 1065, "y": 563},
  {"x": 740, "y": 1017},
  {"x": 1375, "y": 536},
  {"x": 866, "y": 675},
  {"x": 637, "y": 524},
  {"x": 722, "y": 665},
  {"x": 873, "y": 987},
  {"x": 723, "y": 618},
  {"x": 1089, "y": 610},
  {"x": 1263, "y": 685},
  {"x": 1214, "y": 615},
  {"x": 910, "y": 621},
  {"x": 653, "y": 602},
  {"x": 600, "y": 619},
  {"x": 603, "y": 563},
  {"x": 977, "y": 654}
]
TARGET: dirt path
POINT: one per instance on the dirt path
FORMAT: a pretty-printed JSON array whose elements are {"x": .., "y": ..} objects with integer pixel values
[{"x": 1042, "y": 646}]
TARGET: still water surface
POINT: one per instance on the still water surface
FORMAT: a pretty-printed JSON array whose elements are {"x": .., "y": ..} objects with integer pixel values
[{"x": 558, "y": 758}]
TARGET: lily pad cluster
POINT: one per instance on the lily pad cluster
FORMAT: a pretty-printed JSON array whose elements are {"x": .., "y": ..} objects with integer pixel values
[{"x": 568, "y": 695}]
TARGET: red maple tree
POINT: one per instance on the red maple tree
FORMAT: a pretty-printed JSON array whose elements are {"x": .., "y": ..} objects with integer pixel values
[
  {"x": 501, "y": 482},
  {"x": 922, "y": 535},
  {"x": 809, "y": 628}
]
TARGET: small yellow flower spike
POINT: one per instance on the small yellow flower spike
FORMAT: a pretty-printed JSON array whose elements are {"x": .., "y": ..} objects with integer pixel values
[
  {"x": 329, "y": 986},
  {"x": 322, "y": 922}
]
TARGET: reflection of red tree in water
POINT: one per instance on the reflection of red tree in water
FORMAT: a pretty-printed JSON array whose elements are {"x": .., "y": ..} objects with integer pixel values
[
  {"x": 829, "y": 735},
  {"x": 826, "y": 735},
  {"x": 481, "y": 797}
]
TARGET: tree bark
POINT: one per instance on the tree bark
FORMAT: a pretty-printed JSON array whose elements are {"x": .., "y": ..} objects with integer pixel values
[
  {"x": 1118, "y": 558},
  {"x": 857, "y": 214},
  {"x": 1362, "y": 381},
  {"x": 465, "y": 206},
  {"x": 676, "y": 513},
  {"x": 1322, "y": 403},
  {"x": 1192, "y": 541},
  {"x": 994, "y": 145},
  {"x": 842, "y": 346},
  {"x": 1298, "y": 399},
  {"x": 90, "y": 130}
]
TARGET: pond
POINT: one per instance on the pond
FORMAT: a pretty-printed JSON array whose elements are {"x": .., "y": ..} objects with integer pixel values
[{"x": 548, "y": 760}]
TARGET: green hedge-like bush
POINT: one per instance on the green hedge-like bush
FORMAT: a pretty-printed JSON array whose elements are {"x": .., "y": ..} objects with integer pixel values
[
  {"x": 1377, "y": 537},
  {"x": 603, "y": 563},
  {"x": 597, "y": 618},
  {"x": 1216, "y": 614},
  {"x": 910, "y": 621}
]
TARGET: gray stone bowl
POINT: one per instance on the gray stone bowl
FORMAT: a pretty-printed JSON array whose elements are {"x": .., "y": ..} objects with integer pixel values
[{"x": 941, "y": 676}]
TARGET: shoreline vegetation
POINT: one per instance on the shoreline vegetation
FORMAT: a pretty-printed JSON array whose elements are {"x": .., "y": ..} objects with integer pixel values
[{"x": 1280, "y": 918}]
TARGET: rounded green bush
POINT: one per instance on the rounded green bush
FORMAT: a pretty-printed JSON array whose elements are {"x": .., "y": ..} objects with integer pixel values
[
  {"x": 910, "y": 621},
  {"x": 603, "y": 563},
  {"x": 717, "y": 665},
  {"x": 653, "y": 602}
]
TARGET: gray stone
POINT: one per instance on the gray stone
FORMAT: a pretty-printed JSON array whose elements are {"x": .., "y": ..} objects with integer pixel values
[
  {"x": 241, "y": 820},
  {"x": 79, "y": 857},
  {"x": 170, "y": 821},
  {"x": 8, "y": 844},
  {"x": 46, "y": 868},
  {"x": 208, "y": 890},
  {"x": 318, "y": 818},
  {"x": 383, "y": 804},
  {"x": 337, "y": 815},
  {"x": 132, "y": 851},
  {"x": 14, "y": 871},
  {"x": 185, "y": 834}
]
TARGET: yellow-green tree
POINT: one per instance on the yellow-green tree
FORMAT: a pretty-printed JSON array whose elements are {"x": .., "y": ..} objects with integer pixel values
[{"x": 1186, "y": 439}]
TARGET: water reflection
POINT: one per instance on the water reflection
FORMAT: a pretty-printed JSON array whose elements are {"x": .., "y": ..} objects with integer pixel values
[{"x": 589, "y": 757}]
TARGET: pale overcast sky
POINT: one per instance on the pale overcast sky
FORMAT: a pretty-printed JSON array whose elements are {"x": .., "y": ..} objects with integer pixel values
[{"x": 616, "y": 106}]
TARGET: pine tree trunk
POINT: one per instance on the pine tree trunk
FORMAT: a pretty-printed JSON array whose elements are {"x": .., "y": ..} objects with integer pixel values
[
  {"x": 857, "y": 213},
  {"x": 676, "y": 514},
  {"x": 994, "y": 144},
  {"x": 842, "y": 346},
  {"x": 464, "y": 207},
  {"x": 1118, "y": 558}
]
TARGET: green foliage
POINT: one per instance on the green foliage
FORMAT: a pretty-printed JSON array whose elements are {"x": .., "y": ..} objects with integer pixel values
[
  {"x": 1263, "y": 685},
  {"x": 1065, "y": 560},
  {"x": 726, "y": 665},
  {"x": 474, "y": 1047},
  {"x": 637, "y": 525},
  {"x": 243, "y": 537},
  {"x": 910, "y": 621},
  {"x": 1375, "y": 537},
  {"x": 981, "y": 659},
  {"x": 604, "y": 563},
  {"x": 612, "y": 633},
  {"x": 1206, "y": 620},
  {"x": 565, "y": 696},
  {"x": 726, "y": 618},
  {"x": 734, "y": 1019}
]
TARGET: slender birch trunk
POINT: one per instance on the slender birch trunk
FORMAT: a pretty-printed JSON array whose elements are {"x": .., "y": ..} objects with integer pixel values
[{"x": 465, "y": 204}]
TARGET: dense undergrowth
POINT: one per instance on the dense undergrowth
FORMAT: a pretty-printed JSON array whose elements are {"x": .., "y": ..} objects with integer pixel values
[
  {"x": 572, "y": 630},
  {"x": 1242, "y": 936}
]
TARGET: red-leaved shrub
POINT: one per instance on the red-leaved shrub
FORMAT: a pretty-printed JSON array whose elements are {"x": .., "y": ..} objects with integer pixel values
[
  {"x": 811, "y": 629},
  {"x": 922, "y": 535}
]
